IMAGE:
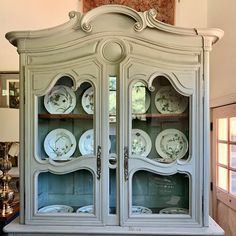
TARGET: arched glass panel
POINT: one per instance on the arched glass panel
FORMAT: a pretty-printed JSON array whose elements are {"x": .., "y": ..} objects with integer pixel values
[
  {"x": 65, "y": 122},
  {"x": 160, "y": 122}
]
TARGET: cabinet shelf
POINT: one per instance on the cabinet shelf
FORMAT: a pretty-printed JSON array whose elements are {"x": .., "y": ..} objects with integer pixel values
[
  {"x": 161, "y": 116},
  {"x": 65, "y": 116}
]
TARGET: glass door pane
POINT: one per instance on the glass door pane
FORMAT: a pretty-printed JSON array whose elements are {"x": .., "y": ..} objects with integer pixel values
[
  {"x": 233, "y": 156},
  {"x": 158, "y": 194},
  {"x": 223, "y": 153},
  {"x": 113, "y": 144},
  {"x": 159, "y": 136},
  {"x": 65, "y": 122},
  {"x": 76, "y": 195},
  {"x": 233, "y": 129},
  {"x": 233, "y": 182},
  {"x": 223, "y": 178},
  {"x": 223, "y": 129},
  {"x": 66, "y": 133}
]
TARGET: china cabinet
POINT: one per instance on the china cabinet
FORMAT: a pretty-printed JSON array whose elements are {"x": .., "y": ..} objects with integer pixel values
[{"x": 114, "y": 126}]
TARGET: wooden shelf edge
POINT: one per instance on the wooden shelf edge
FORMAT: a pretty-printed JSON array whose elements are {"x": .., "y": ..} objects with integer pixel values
[{"x": 65, "y": 116}]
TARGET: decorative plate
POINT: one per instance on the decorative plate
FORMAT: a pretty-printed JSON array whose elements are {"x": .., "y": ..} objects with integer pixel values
[
  {"x": 140, "y": 99},
  {"x": 88, "y": 101},
  {"x": 56, "y": 209},
  {"x": 86, "y": 142},
  {"x": 60, "y": 100},
  {"x": 168, "y": 100},
  {"x": 174, "y": 210},
  {"x": 141, "y": 210},
  {"x": 171, "y": 144},
  {"x": 86, "y": 209},
  {"x": 141, "y": 143},
  {"x": 60, "y": 144}
]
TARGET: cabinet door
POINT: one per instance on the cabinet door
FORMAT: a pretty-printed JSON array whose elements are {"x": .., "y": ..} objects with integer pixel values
[
  {"x": 158, "y": 176},
  {"x": 65, "y": 156}
]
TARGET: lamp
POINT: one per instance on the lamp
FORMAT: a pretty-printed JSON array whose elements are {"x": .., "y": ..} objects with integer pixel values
[{"x": 9, "y": 132}]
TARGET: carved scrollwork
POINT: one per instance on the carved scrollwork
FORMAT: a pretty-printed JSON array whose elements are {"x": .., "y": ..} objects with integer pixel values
[
  {"x": 91, "y": 15},
  {"x": 86, "y": 27}
]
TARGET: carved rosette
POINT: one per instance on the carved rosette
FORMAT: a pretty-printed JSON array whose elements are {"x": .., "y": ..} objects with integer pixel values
[{"x": 113, "y": 50}]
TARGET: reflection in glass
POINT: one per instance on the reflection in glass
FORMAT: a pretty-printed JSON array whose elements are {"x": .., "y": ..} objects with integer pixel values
[
  {"x": 153, "y": 193},
  {"x": 112, "y": 95},
  {"x": 112, "y": 158},
  {"x": 140, "y": 98},
  {"x": 233, "y": 182},
  {"x": 223, "y": 153},
  {"x": 222, "y": 129},
  {"x": 77, "y": 190},
  {"x": 223, "y": 178},
  {"x": 112, "y": 192},
  {"x": 233, "y": 129},
  {"x": 233, "y": 156}
]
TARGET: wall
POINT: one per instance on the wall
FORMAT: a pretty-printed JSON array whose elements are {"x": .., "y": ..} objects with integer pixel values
[
  {"x": 191, "y": 13},
  {"x": 29, "y": 15},
  {"x": 222, "y": 66}
]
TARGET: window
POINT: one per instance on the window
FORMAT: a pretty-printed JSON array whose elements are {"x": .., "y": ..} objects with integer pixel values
[{"x": 224, "y": 134}]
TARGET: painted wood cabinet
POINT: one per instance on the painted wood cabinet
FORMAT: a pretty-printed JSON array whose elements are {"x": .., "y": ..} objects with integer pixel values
[{"x": 114, "y": 126}]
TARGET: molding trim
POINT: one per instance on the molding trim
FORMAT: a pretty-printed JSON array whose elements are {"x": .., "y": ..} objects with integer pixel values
[{"x": 84, "y": 22}]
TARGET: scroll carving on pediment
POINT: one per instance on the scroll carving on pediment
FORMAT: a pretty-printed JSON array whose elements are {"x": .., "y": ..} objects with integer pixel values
[{"x": 165, "y": 8}]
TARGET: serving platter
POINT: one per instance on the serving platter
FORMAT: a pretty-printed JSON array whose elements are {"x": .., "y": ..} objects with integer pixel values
[
  {"x": 169, "y": 101},
  {"x": 60, "y": 144},
  {"x": 60, "y": 100},
  {"x": 171, "y": 144}
]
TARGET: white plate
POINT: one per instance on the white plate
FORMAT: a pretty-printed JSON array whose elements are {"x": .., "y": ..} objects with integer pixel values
[
  {"x": 140, "y": 101},
  {"x": 141, "y": 210},
  {"x": 85, "y": 209},
  {"x": 56, "y": 209},
  {"x": 141, "y": 143},
  {"x": 88, "y": 101},
  {"x": 174, "y": 210},
  {"x": 86, "y": 142},
  {"x": 171, "y": 144},
  {"x": 60, "y": 100},
  {"x": 168, "y": 100},
  {"x": 60, "y": 144}
]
